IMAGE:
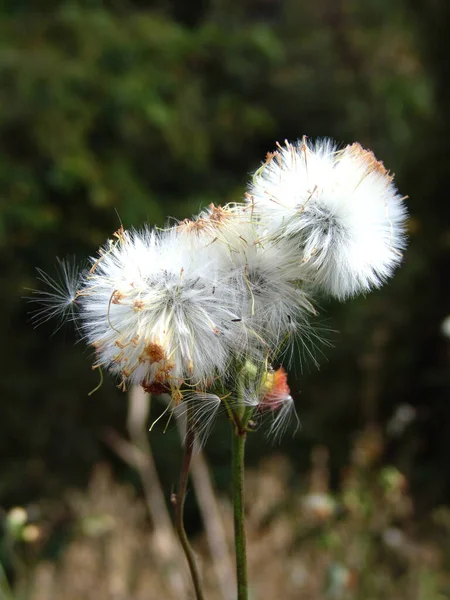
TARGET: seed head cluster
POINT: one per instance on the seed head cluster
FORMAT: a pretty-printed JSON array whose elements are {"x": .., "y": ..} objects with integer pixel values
[{"x": 178, "y": 310}]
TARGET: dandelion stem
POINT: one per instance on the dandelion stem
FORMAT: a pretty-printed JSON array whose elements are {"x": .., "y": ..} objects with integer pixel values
[
  {"x": 234, "y": 419},
  {"x": 239, "y": 437},
  {"x": 179, "y": 498}
]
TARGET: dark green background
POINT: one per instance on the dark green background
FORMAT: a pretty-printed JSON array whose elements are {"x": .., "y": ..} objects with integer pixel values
[{"x": 148, "y": 110}]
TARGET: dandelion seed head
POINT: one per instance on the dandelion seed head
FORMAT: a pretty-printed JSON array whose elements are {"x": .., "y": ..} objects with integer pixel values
[
  {"x": 339, "y": 208},
  {"x": 154, "y": 310}
]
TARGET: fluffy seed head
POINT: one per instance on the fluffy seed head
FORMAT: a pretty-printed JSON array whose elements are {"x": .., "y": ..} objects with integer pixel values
[
  {"x": 156, "y": 312},
  {"x": 340, "y": 209}
]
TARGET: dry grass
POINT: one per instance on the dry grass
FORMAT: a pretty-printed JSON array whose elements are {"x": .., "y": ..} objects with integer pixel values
[{"x": 304, "y": 543}]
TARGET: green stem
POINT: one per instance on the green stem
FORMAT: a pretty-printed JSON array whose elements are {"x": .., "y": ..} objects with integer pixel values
[
  {"x": 231, "y": 414},
  {"x": 179, "y": 499},
  {"x": 239, "y": 437}
]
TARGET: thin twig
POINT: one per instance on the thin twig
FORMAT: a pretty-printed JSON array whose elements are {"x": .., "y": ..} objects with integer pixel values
[
  {"x": 138, "y": 455},
  {"x": 214, "y": 527},
  {"x": 178, "y": 500},
  {"x": 165, "y": 541},
  {"x": 211, "y": 517}
]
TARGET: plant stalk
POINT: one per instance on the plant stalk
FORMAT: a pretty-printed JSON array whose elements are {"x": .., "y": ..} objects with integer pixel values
[
  {"x": 239, "y": 437},
  {"x": 179, "y": 499}
]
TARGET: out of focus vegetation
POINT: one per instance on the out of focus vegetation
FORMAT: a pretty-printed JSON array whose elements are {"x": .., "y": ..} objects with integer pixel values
[
  {"x": 131, "y": 110},
  {"x": 304, "y": 541}
]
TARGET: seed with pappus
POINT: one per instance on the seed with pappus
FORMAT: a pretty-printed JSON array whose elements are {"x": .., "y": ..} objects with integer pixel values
[
  {"x": 338, "y": 208},
  {"x": 57, "y": 301}
]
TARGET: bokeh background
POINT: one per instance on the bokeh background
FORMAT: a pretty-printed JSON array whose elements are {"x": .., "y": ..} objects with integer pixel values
[{"x": 128, "y": 111}]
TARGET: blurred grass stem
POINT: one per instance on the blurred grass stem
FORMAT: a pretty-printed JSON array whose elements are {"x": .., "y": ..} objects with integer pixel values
[
  {"x": 179, "y": 500},
  {"x": 138, "y": 454},
  {"x": 5, "y": 589}
]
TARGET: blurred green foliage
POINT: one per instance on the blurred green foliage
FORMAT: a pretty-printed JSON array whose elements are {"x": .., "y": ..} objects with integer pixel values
[{"x": 130, "y": 111}]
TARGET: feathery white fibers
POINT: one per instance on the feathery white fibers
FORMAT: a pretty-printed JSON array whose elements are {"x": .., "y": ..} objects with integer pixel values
[
  {"x": 270, "y": 308},
  {"x": 154, "y": 310},
  {"x": 58, "y": 301},
  {"x": 205, "y": 408},
  {"x": 229, "y": 228},
  {"x": 274, "y": 309},
  {"x": 339, "y": 208}
]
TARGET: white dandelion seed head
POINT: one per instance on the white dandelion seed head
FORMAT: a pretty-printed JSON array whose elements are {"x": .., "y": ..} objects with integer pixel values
[
  {"x": 155, "y": 311},
  {"x": 340, "y": 209}
]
